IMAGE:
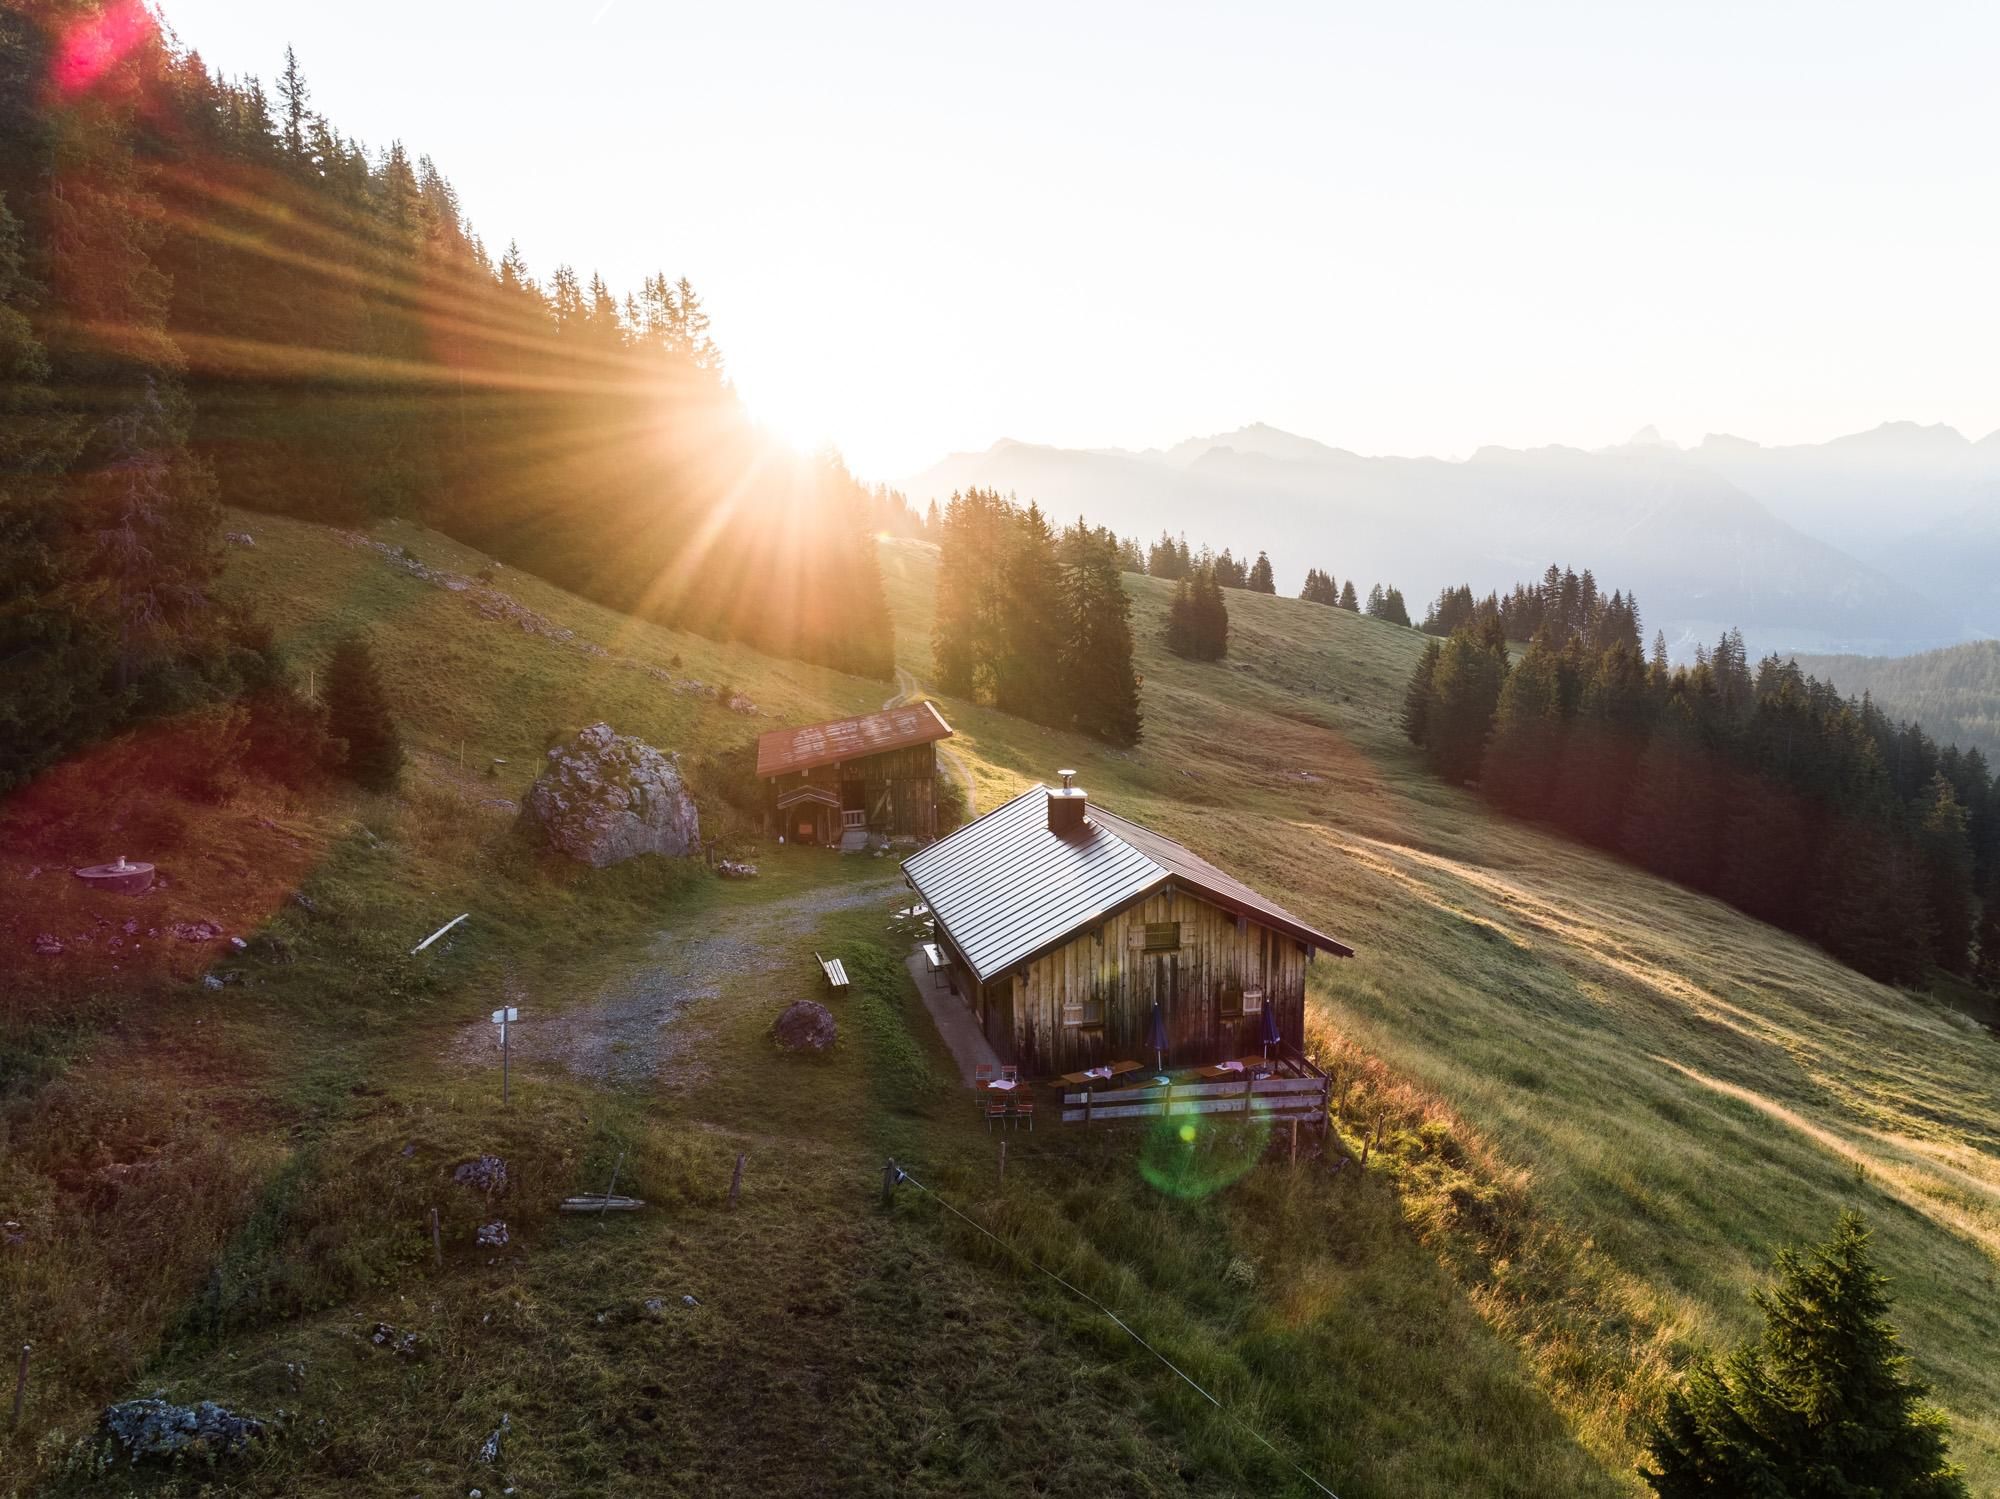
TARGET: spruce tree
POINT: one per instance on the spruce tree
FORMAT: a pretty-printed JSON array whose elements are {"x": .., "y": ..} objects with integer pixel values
[
  {"x": 1465, "y": 692},
  {"x": 1416, "y": 715},
  {"x": 1526, "y": 748},
  {"x": 1820, "y": 1406},
  {"x": 1183, "y": 628},
  {"x": 1098, "y": 680},
  {"x": 1947, "y": 856},
  {"x": 1347, "y": 598},
  {"x": 1261, "y": 579},
  {"x": 357, "y": 715}
]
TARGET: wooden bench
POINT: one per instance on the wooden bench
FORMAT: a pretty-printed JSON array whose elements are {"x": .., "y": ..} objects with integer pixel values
[{"x": 835, "y": 971}]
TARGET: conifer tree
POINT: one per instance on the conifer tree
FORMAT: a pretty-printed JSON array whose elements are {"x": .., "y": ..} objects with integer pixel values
[
  {"x": 1261, "y": 579},
  {"x": 1526, "y": 748},
  {"x": 1098, "y": 678},
  {"x": 1416, "y": 715},
  {"x": 1347, "y": 598},
  {"x": 357, "y": 714},
  {"x": 1820, "y": 1406},
  {"x": 1947, "y": 856},
  {"x": 1465, "y": 691}
]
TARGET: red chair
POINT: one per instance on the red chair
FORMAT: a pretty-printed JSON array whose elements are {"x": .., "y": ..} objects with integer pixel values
[
  {"x": 1010, "y": 1073},
  {"x": 1024, "y": 1108},
  {"x": 982, "y": 1073},
  {"x": 996, "y": 1108}
]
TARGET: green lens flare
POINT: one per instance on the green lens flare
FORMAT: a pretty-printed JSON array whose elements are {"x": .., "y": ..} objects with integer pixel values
[{"x": 1190, "y": 1158}]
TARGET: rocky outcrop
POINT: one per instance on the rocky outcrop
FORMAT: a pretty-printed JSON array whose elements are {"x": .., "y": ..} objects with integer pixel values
[
  {"x": 158, "y": 1429},
  {"x": 806, "y": 1026},
  {"x": 605, "y": 798}
]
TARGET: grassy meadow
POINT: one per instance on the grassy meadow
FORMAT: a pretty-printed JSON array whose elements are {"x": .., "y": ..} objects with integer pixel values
[{"x": 1593, "y": 1105}]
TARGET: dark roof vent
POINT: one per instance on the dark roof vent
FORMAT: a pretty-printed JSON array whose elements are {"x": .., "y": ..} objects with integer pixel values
[{"x": 1067, "y": 805}]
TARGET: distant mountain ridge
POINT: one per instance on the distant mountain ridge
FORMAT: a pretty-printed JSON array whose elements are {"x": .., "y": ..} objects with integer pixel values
[{"x": 1702, "y": 548}]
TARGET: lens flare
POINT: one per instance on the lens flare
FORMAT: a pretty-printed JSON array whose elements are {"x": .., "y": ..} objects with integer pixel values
[
  {"x": 1190, "y": 1159},
  {"x": 96, "y": 44}
]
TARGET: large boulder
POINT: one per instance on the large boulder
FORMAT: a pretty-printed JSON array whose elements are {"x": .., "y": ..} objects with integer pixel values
[
  {"x": 806, "y": 1026},
  {"x": 604, "y": 798},
  {"x": 157, "y": 1429}
]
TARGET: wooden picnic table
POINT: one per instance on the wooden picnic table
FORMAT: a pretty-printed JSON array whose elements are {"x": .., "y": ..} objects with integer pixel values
[
  {"x": 1084, "y": 1080},
  {"x": 1221, "y": 1071}
]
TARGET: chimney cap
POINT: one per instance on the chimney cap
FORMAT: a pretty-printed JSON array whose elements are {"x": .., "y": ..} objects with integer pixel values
[{"x": 1068, "y": 778}]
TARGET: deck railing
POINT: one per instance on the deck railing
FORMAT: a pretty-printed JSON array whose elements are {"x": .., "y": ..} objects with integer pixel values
[
  {"x": 1303, "y": 1098},
  {"x": 854, "y": 819}
]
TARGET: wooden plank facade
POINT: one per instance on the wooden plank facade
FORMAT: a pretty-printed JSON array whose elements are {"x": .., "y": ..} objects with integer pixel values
[
  {"x": 894, "y": 793},
  {"x": 1090, "y": 1001}
]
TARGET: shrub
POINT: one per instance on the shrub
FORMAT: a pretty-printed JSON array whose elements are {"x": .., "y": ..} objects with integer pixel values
[{"x": 358, "y": 715}]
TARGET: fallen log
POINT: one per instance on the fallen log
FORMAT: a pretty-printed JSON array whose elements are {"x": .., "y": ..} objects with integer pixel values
[{"x": 597, "y": 1202}]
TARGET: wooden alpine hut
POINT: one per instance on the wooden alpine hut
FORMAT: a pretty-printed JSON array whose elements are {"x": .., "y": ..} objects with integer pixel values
[
  {"x": 839, "y": 782},
  {"x": 1065, "y": 924}
]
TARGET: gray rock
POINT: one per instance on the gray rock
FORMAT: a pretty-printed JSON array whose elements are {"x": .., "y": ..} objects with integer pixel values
[
  {"x": 48, "y": 944},
  {"x": 157, "y": 1428},
  {"x": 604, "y": 798},
  {"x": 493, "y": 1235},
  {"x": 239, "y": 538},
  {"x": 730, "y": 869},
  {"x": 805, "y": 1025},
  {"x": 489, "y": 1450},
  {"x": 486, "y": 1174},
  {"x": 196, "y": 931},
  {"x": 407, "y": 1344}
]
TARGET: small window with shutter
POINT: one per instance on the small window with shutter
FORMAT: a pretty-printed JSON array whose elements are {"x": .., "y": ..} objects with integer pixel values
[{"x": 1163, "y": 936}]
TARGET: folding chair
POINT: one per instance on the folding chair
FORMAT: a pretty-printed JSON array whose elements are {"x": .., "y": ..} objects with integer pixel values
[
  {"x": 996, "y": 1108},
  {"x": 1024, "y": 1108}
]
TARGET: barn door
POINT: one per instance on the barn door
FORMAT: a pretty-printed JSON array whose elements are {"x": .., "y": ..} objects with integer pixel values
[{"x": 881, "y": 807}]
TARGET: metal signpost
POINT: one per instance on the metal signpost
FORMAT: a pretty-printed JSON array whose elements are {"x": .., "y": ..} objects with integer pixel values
[{"x": 503, "y": 1018}]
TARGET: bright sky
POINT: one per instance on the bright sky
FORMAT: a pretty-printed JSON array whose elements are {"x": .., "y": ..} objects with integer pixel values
[{"x": 1400, "y": 228}]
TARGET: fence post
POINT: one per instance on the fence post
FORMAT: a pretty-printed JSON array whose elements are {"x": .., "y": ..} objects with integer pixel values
[
  {"x": 21, "y": 1382},
  {"x": 888, "y": 1181},
  {"x": 1295, "y": 1142},
  {"x": 1003, "y": 1162},
  {"x": 736, "y": 1181},
  {"x": 604, "y": 1205},
  {"x": 437, "y": 1240}
]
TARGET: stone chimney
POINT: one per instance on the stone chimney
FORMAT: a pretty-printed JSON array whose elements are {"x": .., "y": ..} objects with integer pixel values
[{"x": 1067, "y": 805}]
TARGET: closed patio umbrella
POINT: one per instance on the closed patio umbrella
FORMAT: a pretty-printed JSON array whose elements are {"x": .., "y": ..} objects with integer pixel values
[
  {"x": 1156, "y": 1036},
  {"x": 1271, "y": 1036}
]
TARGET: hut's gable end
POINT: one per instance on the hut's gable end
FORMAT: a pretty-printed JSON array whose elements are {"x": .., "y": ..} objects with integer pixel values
[{"x": 1091, "y": 999}]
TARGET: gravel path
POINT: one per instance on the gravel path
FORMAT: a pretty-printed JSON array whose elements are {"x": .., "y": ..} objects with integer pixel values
[{"x": 647, "y": 1027}]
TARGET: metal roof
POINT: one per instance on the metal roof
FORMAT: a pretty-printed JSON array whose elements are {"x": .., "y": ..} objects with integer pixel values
[
  {"x": 1005, "y": 889},
  {"x": 809, "y": 746}
]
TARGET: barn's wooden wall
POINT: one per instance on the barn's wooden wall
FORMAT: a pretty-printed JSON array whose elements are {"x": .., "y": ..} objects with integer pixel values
[
  {"x": 899, "y": 790},
  {"x": 1024, "y": 1014}
]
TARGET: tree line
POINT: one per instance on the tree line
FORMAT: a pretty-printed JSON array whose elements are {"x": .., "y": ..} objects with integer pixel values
[
  {"x": 1564, "y": 604},
  {"x": 1763, "y": 786},
  {"x": 210, "y": 296},
  {"x": 1034, "y": 621}
]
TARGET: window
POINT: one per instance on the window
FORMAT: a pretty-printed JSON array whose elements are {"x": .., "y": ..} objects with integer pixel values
[
  {"x": 1163, "y": 936},
  {"x": 1083, "y": 1009},
  {"x": 1253, "y": 1002}
]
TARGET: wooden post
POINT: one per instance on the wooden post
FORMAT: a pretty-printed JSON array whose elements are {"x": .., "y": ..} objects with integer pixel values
[
  {"x": 888, "y": 1181},
  {"x": 437, "y": 1240},
  {"x": 603, "y": 1206},
  {"x": 1295, "y": 1142},
  {"x": 503, "y": 1061},
  {"x": 21, "y": 1382},
  {"x": 736, "y": 1182},
  {"x": 1003, "y": 1162}
]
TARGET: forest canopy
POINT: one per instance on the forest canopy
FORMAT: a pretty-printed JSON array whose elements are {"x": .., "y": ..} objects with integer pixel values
[{"x": 210, "y": 296}]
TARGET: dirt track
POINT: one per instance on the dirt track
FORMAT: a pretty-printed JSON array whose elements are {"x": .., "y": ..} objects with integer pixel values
[{"x": 647, "y": 1027}]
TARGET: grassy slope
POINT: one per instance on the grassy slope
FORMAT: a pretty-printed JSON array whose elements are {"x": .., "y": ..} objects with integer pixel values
[
  {"x": 1677, "y": 1089},
  {"x": 1605, "y": 1102}
]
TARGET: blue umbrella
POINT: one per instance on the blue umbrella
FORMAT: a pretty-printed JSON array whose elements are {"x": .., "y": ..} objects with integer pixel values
[
  {"x": 1156, "y": 1035},
  {"x": 1271, "y": 1036}
]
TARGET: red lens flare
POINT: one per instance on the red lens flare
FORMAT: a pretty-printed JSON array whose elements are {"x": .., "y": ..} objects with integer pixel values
[{"x": 96, "y": 44}]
